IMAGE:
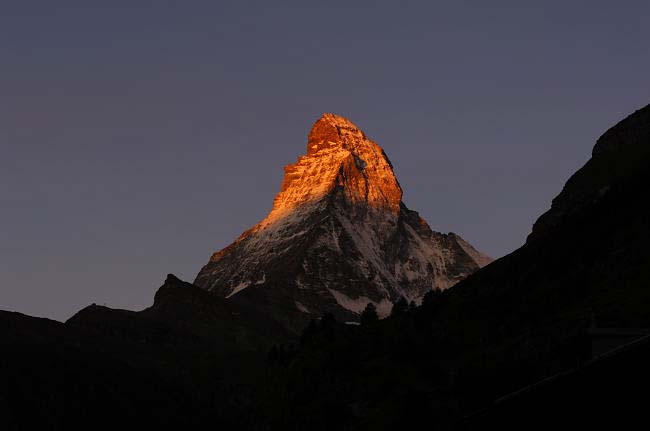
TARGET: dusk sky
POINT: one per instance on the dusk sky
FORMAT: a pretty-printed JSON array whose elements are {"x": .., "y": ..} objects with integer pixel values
[{"x": 138, "y": 137}]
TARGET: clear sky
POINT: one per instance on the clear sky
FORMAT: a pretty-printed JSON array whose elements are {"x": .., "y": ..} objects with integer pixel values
[{"x": 138, "y": 137}]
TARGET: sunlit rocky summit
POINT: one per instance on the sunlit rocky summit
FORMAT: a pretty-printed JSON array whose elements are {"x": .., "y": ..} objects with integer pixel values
[{"x": 338, "y": 237}]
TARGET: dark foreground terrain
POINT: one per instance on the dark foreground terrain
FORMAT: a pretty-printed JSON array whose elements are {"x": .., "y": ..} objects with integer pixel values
[{"x": 525, "y": 342}]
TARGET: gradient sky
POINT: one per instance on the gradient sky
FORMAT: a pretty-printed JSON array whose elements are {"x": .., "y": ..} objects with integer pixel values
[{"x": 138, "y": 137}]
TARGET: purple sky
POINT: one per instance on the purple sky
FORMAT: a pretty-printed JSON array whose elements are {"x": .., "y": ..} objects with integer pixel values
[{"x": 137, "y": 140}]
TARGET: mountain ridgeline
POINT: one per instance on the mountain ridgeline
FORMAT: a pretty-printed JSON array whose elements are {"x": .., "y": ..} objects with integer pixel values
[
  {"x": 510, "y": 345},
  {"x": 338, "y": 238}
]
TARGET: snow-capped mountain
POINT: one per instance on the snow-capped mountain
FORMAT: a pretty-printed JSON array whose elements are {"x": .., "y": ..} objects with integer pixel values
[{"x": 338, "y": 237}]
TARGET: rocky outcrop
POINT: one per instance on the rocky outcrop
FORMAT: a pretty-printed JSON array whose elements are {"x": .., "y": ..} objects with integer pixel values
[{"x": 338, "y": 237}]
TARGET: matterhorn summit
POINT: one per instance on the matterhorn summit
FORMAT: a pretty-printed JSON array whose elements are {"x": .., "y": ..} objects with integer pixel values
[{"x": 338, "y": 237}]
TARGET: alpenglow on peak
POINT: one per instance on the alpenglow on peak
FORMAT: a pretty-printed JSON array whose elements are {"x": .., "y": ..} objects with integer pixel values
[
  {"x": 340, "y": 159},
  {"x": 337, "y": 238}
]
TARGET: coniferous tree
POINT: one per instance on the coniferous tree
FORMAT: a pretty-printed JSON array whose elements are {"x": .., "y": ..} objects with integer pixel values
[
  {"x": 400, "y": 307},
  {"x": 273, "y": 355},
  {"x": 369, "y": 314},
  {"x": 327, "y": 321},
  {"x": 328, "y": 326},
  {"x": 432, "y": 299},
  {"x": 308, "y": 334}
]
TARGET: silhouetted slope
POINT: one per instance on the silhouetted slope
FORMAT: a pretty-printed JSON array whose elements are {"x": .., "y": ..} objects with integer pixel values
[
  {"x": 607, "y": 393},
  {"x": 587, "y": 259},
  {"x": 620, "y": 155},
  {"x": 189, "y": 360},
  {"x": 55, "y": 378}
]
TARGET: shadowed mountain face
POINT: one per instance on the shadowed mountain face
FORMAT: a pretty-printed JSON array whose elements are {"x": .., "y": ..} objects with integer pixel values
[{"x": 338, "y": 237}]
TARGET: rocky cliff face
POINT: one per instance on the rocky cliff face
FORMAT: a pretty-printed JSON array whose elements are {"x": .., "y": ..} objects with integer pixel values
[{"x": 338, "y": 237}]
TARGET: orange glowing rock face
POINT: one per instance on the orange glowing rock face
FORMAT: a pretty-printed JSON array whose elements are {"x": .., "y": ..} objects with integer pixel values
[{"x": 340, "y": 160}]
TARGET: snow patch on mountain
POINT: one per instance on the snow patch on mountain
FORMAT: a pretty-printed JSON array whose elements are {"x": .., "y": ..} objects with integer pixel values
[
  {"x": 238, "y": 288},
  {"x": 357, "y": 305},
  {"x": 301, "y": 307}
]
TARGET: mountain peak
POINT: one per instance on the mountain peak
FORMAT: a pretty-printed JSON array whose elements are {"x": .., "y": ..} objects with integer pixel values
[
  {"x": 332, "y": 130},
  {"x": 342, "y": 163},
  {"x": 338, "y": 237}
]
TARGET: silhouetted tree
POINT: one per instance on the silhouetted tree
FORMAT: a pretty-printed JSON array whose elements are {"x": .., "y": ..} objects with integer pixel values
[
  {"x": 432, "y": 299},
  {"x": 327, "y": 326},
  {"x": 400, "y": 307},
  {"x": 369, "y": 314},
  {"x": 308, "y": 334},
  {"x": 274, "y": 355},
  {"x": 327, "y": 321}
]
